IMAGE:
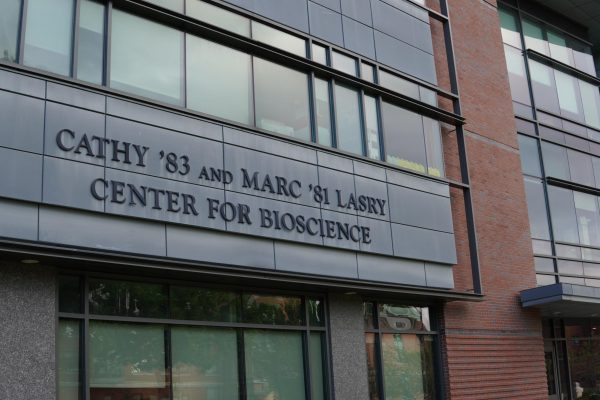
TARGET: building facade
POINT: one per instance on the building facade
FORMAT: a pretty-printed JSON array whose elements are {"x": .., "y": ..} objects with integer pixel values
[{"x": 297, "y": 199}]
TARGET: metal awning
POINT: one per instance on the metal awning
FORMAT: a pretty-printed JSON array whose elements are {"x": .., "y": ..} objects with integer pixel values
[{"x": 563, "y": 300}]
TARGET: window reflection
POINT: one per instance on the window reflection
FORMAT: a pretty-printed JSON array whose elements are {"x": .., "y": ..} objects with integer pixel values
[
  {"x": 347, "y": 112},
  {"x": 536, "y": 208},
  {"x": 544, "y": 87},
  {"x": 146, "y": 58},
  {"x": 48, "y": 45},
  {"x": 515, "y": 63},
  {"x": 509, "y": 27},
  {"x": 372, "y": 128},
  {"x": 219, "y": 80},
  {"x": 530, "y": 159},
  {"x": 588, "y": 218},
  {"x": 200, "y": 304},
  {"x": 564, "y": 221},
  {"x": 126, "y": 361},
  {"x": 281, "y": 99},
  {"x": 403, "y": 318},
  {"x": 218, "y": 16},
  {"x": 276, "y": 38},
  {"x": 107, "y": 297},
  {"x": 404, "y": 142},
  {"x": 274, "y": 365},
  {"x": 408, "y": 371},
  {"x": 276, "y": 310},
  {"x": 9, "y": 29},
  {"x": 68, "y": 360},
  {"x": 323, "y": 106},
  {"x": 204, "y": 363},
  {"x": 90, "y": 56}
]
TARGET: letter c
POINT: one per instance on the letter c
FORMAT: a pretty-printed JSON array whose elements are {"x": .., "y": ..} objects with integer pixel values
[
  {"x": 95, "y": 193},
  {"x": 59, "y": 141}
]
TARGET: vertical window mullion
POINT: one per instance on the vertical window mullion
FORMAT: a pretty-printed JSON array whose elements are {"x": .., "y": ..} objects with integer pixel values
[
  {"x": 75, "y": 38},
  {"x": 332, "y": 107},
  {"x": 378, "y": 101},
  {"x": 241, "y": 365},
  {"x": 86, "y": 343},
  {"x": 312, "y": 99},
  {"x": 363, "y": 122},
  {"x": 107, "y": 42},
  {"x": 21, "y": 42}
]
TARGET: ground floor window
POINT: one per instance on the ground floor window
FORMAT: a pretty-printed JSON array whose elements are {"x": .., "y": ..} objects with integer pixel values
[
  {"x": 132, "y": 340},
  {"x": 401, "y": 345}
]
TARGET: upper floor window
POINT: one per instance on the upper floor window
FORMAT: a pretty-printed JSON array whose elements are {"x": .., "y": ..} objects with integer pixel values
[{"x": 146, "y": 58}]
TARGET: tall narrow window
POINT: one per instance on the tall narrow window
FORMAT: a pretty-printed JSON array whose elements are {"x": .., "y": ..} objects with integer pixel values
[
  {"x": 90, "y": 54},
  {"x": 433, "y": 147},
  {"x": 69, "y": 387},
  {"x": 49, "y": 35},
  {"x": 323, "y": 112},
  {"x": 281, "y": 96},
  {"x": 544, "y": 87},
  {"x": 590, "y": 96},
  {"x": 400, "y": 349},
  {"x": 536, "y": 207},
  {"x": 347, "y": 116},
  {"x": 564, "y": 220},
  {"x": 372, "y": 128},
  {"x": 9, "y": 29},
  {"x": 146, "y": 58},
  {"x": 568, "y": 96},
  {"x": 219, "y": 80},
  {"x": 588, "y": 218}
]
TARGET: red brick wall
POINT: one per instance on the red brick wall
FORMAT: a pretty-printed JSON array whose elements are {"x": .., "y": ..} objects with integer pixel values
[{"x": 493, "y": 349}]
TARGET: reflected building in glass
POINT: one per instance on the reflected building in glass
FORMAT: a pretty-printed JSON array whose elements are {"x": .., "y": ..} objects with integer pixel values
[{"x": 298, "y": 200}]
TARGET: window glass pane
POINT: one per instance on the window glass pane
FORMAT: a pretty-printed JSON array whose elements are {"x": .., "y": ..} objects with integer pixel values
[
  {"x": 509, "y": 27},
  {"x": 276, "y": 38},
  {"x": 319, "y": 54},
  {"x": 558, "y": 48},
  {"x": 129, "y": 299},
  {"x": 90, "y": 55},
  {"x": 403, "y": 318},
  {"x": 274, "y": 365},
  {"x": 146, "y": 58},
  {"x": 591, "y": 269},
  {"x": 530, "y": 160},
  {"x": 343, "y": 63},
  {"x": 544, "y": 87},
  {"x": 580, "y": 359},
  {"x": 48, "y": 45},
  {"x": 544, "y": 280},
  {"x": 428, "y": 96},
  {"x": 568, "y": 96},
  {"x": 408, "y": 371},
  {"x": 588, "y": 218},
  {"x": 204, "y": 363},
  {"x": 584, "y": 61},
  {"x": 398, "y": 84},
  {"x": 281, "y": 99},
  {"x": 541, "y": 246},
  {"x": 515, "y": 63},
  {"x": 347, "y": 113},
  {"x": 562, "y": 250},
  {"x": 275, "y": 310},
  {"x": 68, "y": 360},
  {"x": 590, "y": 97},
  {"x": 580, "y": 166},
  {"x": 556, "y": 163},
  {"x": 570, "y": 267},
  {"x": 175, "y": 5},
  {"x": 9, "y": 29},
  {"x": 200, "y": 304},
  {"x": 316, "y": 366},
  {"x": 367, "y": 72},
  {"x": 433, "y": 147},
  {"x": 590, "y": 254},
  {"x": 544, "y": 264},
  {"x": 126, "y": 360},
  {"x": 562, "y": 209},
  {"x": 316, "y": 312},
  {"x": 323, "y": 112},
  {"x": 534, "y": 37},
  {"x": 372, "y": 128},
  {"x": 596, "y": 166},
  {"x": 372, "y": 363},
  {"x": 218, "y": 16},
  {"x": 69, "y": 294},
  {"x": 404, "y": 141},
  {"x": 219, "y": 80},
  {"x": 536, "y": 207}
]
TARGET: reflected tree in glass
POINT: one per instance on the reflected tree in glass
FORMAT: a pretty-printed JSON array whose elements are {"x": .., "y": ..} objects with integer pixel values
[
  {"x": 275, "y": 310},
  {"x": 204, "y": 305},
  {"x": 274, "y": 365},
  {"x": 107, "y": 297}
]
